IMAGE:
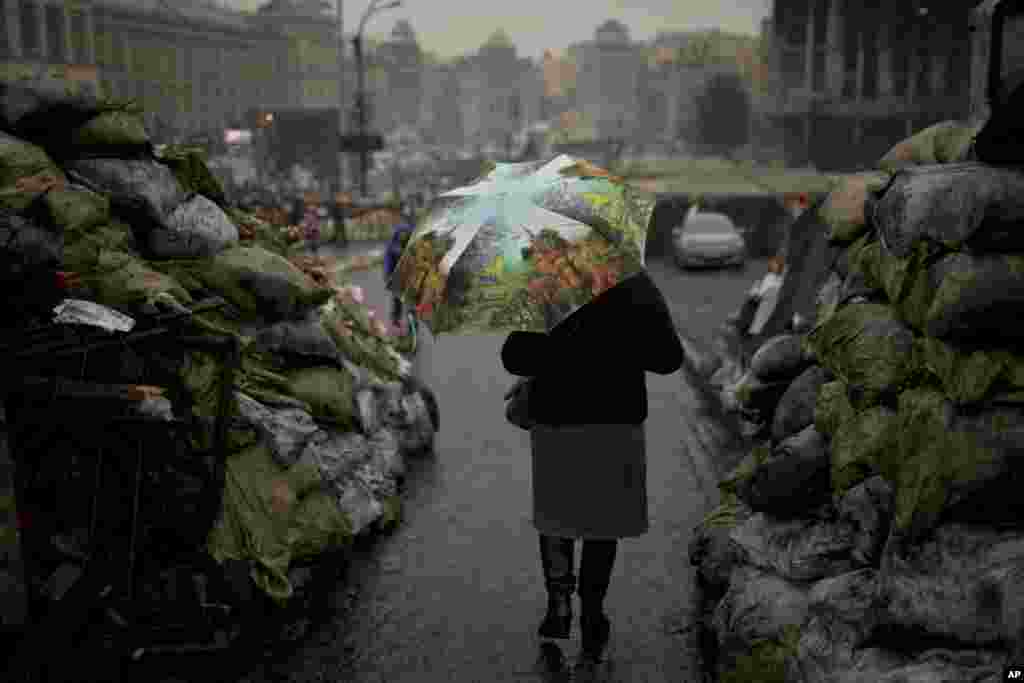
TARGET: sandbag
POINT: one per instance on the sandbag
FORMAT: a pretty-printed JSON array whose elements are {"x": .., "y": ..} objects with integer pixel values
[
  {"x": 335, "y": 453},
  {"x": 195, "y": 229},
  {"x": 131, "y": 180},
  {"x": 844, "y": 209},
  {"x": 757, "y": 606},
  {"x": 304, "y": 338},
  {"x": 796, "y": 407},
  {"x": 975, "y": 296},
  {"x": 964, "y": 583},
  {"x": 868, "y": 347},
  {"x": 832, "y": 407},
  {"x": 868, "y": 509},
  {"x": 990, "y": 495},
  {"x": 257, "y": 282},
  {"x": 958, "y": 206},
  {"x": 874, "y": 665},
  {"x": 943, "y": 457},
  {"x": 26, "y": 246},
  {"x": 414, "y": 421},
  {"x": 968, "y": 376},
  {"x": 76, "y": 210},
  {"x": 124, "y": 281},
  {"x": 189, "y": 167},
  {"x": 285, "y": 430},
  {"x": 266, "y": 511},
  {"x": 904, "y": 281},
  {"x": 760, "y": 398},
  {"x": 946, "y": 142},
  {"x": 858, "y": 445},
  {"x": 359, "y": 505},
  {"x": 111, "y": 129},
  {"x": 45, "y": 106},
  {"x": 840, "y": 619},
  {"x": 26, "y": 172},
  {"x": 710, "y": 549},
  {"x": 794, "y": 481},
  {"x": 386, "y": 460},
  {"x": 779, "y": 358},
  {"x": 328, "y": 391},
  {"x": 797, "y": 549}
]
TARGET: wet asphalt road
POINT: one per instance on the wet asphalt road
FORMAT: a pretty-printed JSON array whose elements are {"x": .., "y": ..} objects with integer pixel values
[{"x": 455, "y": 594}]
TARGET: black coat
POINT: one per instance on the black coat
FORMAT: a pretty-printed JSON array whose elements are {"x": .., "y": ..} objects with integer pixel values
[{"x": 590, "y": 368}]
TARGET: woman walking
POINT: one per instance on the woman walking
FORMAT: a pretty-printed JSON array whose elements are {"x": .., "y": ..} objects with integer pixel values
[{"x": 588, "y": 403}]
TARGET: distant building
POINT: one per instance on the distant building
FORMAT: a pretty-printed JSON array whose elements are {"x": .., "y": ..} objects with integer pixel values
[
  {"x": 499, "y": 92},
  {"x": 401, "y": 60},
  {"x": 850, "y": 79},
  {"x": 609, "y": 79}
]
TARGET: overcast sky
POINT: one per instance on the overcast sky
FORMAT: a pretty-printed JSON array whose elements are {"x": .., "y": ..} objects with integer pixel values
[{"x": 448, "y": 29}]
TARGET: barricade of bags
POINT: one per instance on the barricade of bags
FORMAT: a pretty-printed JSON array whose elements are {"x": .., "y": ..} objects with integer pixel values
[
  {"x": 874, "y": 531},
  {"x": 324, "y": 409}
]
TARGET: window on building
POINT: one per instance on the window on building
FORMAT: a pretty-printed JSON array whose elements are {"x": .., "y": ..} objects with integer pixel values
[
  {"x": 55, "y": 33},
  {"x": 870, "y": 89},
  {"x": 78, "y": 33},
  {"x": 30, "y": 21},
  {"x": 851, "y": 53}
]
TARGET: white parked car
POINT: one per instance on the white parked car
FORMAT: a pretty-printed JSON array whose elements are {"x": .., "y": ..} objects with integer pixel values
[{"x": 707, "y": 239}]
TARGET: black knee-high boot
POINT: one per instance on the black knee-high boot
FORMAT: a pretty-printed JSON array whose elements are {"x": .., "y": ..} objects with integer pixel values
[
  {"x": 556, "y": 557},
  {"x": 598, "y": 559}
]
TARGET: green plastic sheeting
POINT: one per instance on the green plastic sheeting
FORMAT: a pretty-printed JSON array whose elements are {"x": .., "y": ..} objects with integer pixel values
[
  {"x": 843, "y": 211},
  {"x": 24, "y": 162},
  {"x": 905, "y": 281},
  {"x": 867, "y": 346},
  {"x": 832, "y": 408},
  {"x": 111, "y": 129},
  {"x": 359, "y": 344},
  {"x": 858, "y": 445},
  {"x": 969, "y": 376},
  {"x": 122, "y": 280},
  {"x": 766, "y": 660},
  {"x": 192, "y": 173},
  {"x": 76, "y": 211},
  {"x": 272, "y": 516},
  {"x": 328, "y": 392},
  {"x": 941, "y": 143},
  {"x": 230, "y": 275},
  {"x": 930, "y": 459}
]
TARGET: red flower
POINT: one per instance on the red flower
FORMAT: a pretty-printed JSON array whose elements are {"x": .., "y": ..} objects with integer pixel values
[{"x": 425, "y": 309}]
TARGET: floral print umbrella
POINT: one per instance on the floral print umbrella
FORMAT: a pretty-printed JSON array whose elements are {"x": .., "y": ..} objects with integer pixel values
[{"x": 523, "y": 247}]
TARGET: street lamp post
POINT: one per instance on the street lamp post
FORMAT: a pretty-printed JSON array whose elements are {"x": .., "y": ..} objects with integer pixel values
[
  {"x": 341, "y": 97},
  {"x": 357, "y": 44}
]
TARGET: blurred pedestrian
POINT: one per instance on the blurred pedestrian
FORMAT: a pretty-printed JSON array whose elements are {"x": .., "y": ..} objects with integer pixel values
[
  {"x": 311, "y": 227},
  {"x": 338, "y": 213},
  {"x": 587, "y": 404},
  {"x": 392, "y": 254}
]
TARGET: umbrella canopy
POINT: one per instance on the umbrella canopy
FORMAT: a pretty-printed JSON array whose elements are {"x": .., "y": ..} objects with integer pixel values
[{"x": 523, "y": 247}]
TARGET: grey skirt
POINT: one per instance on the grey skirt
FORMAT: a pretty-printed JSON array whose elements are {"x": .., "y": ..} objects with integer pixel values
[{"x": 590, "y": 481}]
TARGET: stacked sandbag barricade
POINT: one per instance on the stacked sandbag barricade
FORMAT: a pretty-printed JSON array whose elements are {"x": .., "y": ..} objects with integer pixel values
[
  {"x": 324, "y": 409},
  {"x": 874, "y": 531}
]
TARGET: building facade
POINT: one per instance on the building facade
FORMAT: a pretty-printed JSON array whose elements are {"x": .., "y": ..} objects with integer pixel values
[
  {"x": 609, "y": 80},
  {"x": 192, "y": 65},
  {"x": 850, "y": 78},
  {"x": 399, "y": 100}
]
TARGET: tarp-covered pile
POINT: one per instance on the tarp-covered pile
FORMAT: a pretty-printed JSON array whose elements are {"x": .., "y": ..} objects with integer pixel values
[
  {"x": 324, "y": 408},
  {"x": 876, "y": 533}
]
